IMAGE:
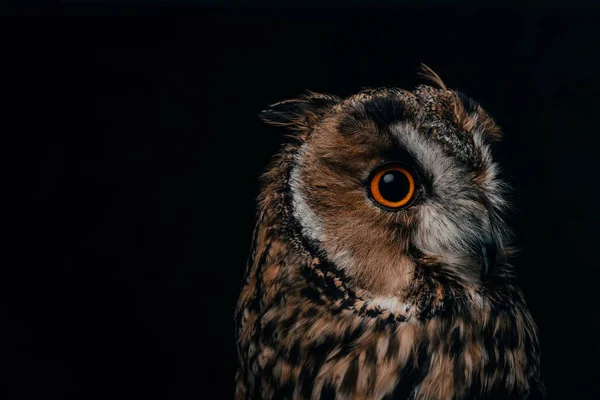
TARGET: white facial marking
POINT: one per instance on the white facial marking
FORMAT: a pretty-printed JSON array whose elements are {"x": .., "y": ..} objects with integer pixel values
[
  {"x": 311, "y": 224},
  {"x": 450, "y": 218}
]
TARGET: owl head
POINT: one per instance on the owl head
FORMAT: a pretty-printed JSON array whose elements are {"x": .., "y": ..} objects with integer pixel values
[{"x": 388, "y": 182}]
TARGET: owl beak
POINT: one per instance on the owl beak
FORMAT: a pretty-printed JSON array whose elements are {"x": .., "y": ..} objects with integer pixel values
[{"x": 488, "y": 256}]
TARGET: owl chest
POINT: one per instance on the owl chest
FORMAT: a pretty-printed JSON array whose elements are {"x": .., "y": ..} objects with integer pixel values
[
  {"x": 361, "y": 357},
  {"x": 315, "y": 340}
]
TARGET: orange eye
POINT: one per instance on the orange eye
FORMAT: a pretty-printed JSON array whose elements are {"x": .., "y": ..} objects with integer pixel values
[{"x": 392, "y": 186}]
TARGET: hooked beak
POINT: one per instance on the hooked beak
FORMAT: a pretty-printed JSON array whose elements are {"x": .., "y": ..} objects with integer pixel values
[
  {"x": 488, "y": 256},
  {"x": 488, "y": 249}
]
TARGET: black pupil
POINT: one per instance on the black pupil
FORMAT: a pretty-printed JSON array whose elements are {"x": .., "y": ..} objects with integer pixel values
[{"x": 394, "y": 186}]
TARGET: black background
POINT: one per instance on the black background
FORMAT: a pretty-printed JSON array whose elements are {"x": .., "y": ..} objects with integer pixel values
[{"x": 137, "y": 149}]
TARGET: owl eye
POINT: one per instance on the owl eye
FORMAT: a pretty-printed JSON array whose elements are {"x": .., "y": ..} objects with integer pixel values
[{"x": 392, "y": 186}]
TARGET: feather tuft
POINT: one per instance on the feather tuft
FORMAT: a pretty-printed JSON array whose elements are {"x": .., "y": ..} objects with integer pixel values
[{"x": 427, "y": 73}]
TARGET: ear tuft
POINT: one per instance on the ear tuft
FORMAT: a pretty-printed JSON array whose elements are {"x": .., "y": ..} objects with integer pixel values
[
  {"x": 427, "y": 73},
  {"x": 301, "y": 113}
]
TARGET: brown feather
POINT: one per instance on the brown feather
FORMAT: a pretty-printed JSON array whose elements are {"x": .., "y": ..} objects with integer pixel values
[
  {"x": 342, "y": 298},
  {"x": 427, "y": 73}
]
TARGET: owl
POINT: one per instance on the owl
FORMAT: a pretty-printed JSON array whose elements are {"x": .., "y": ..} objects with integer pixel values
[{"x": 380, "y": 259}]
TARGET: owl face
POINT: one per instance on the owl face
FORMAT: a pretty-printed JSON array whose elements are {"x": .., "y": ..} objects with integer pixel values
[{"x": 386, "y": 178}]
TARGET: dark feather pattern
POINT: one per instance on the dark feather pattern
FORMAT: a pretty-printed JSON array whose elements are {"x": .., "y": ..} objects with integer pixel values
[{"x": 411, "y": 320}]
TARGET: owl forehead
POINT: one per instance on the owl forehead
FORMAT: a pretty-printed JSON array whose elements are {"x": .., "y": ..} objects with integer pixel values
[{"x": 435, "y": 113}]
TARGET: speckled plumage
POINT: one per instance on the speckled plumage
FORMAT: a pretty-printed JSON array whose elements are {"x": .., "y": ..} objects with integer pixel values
[{"x": 344, "y": 300}]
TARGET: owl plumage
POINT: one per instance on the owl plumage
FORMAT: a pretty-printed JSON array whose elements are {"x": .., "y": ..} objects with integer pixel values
[{"x": 346, "y": 297}]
